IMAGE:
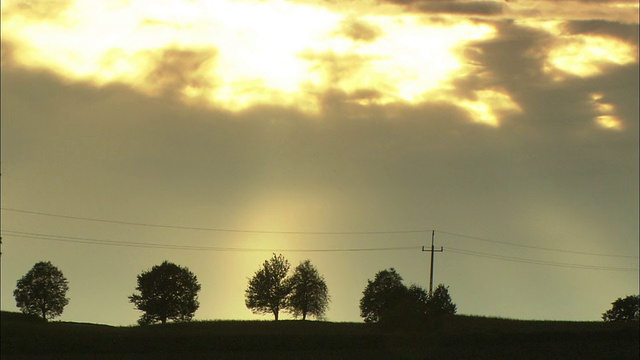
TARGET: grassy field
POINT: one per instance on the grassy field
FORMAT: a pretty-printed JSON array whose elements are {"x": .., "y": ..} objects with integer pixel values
[{"x": 461, "y": 337}]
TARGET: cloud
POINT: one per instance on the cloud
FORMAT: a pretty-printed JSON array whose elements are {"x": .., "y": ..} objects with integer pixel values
[
  {"x": 515, "y": 62},
  {"x": 366, "y": 60},
  {"x": 465, "y": 8},
  {"x": 40, "y": 10},
  {"x": 618, "y": 11},
  {"x": 453, "y": 6},
  {"x": 359, "y": 30},
  {"x": 584, "y": 48},
  {"x": 626, "y": 32},
  {"x": 336, "y": 69},
  {"x": 182, "y": 72}
]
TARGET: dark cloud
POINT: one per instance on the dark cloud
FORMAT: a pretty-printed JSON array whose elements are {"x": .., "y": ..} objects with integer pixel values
[
  {"x": 454, "y": 7},
  {"x": 359, "y": 30},
  {"x": 466, "y": 8},
  {"x": 625, "y": 32},
  {"x": 403, "y": 2},
  {"x": 514, "y": 61},
  {"x": 174, "y": 69}
]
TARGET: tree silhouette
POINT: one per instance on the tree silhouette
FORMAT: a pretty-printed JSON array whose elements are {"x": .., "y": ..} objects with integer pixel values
[
  {"x": 267, "y": 291},
  {"x": 382, "y": 296},
  {"x": 439, "y": 303},
  {"x": 418, "y": 300},
  {"x": 42, "y": 291},
  {"x": 309, "y": 294},
  {"x": 627, "y": 309},
  {"x": 387, "y": 300},
  {"x": 167, "y": 292}
]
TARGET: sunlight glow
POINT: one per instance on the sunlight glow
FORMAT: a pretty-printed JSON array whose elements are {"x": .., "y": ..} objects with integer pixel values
[
  {"x": 581, "y": 55},
  {"x": 236, "y": 54},
  {"x": 488, "y": 105},
  {"x": 609, "y": 122},
  {"x": 586, "y": 56},
  {"x": 606, "y": 119}
]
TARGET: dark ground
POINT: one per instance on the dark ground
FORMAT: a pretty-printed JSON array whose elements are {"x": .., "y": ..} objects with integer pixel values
[{"x": 459, "y": 337}]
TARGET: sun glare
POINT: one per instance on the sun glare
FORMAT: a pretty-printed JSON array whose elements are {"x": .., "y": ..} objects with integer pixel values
[{"x": 236, "y": 54}]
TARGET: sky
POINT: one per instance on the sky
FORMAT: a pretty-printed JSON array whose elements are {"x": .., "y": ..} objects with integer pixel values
[{"x": 214, "y": 133}]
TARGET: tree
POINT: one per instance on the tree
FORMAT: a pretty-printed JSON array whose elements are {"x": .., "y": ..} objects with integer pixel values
[
  {"x": 382, "y": 296},
  {"x": 309, "y": 294},
  {"x": 627, "y": 309},
  {"x": 267, "y": 291},
  {"x": 387, "y": 300},
  {"x": 439, "y": 303},
  {"x": 167, "y": 292},
  {"x": 42, "y": 291},
  {"x": 418, "y": 300}
]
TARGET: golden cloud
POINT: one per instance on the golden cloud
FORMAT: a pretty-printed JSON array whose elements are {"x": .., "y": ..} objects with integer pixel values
[{"x": 239, "y": 54}]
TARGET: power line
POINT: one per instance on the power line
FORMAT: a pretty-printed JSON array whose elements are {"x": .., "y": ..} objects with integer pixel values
[
  {"x": 535, "y": 247},
  {"x": 91, "y": 241},
  {"x": 81, "y": 240},
  {"x": 538, "y": 262},
  {"x": 272, "y": 232}
]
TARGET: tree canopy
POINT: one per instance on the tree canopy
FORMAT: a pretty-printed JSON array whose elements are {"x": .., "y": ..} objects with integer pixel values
[
  {"x": 42, "y": 291},
  {"x": 387, "y": 300},
  {"x": 309, "y": 294},
  {"x": 382, "y": 295},
  {"x": 166, "y": 292},
  {"x": 439, "y": 303},
  {"x": 267, "y": 291},
  {"x": 627, "y": 309}
]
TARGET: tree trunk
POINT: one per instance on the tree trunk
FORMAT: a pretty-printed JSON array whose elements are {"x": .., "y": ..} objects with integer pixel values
[
  {"x": 304, "y": 315},
  {"x": 44, "y": 313},
  {"x": 275, "y": 313}
]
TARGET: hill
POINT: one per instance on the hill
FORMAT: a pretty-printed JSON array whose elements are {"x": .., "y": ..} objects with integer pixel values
[{"x": 459, "y": 337}]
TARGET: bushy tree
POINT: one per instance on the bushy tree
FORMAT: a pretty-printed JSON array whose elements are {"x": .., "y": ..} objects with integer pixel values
[
  {"x": 440, "y": 303},
  {"x": 382, "y": 296},
  {"x": 309, "y": 293},
  {"x": 387, "y": 300},
  {"x": 166, "y": 292},
  {"x": 627, "y": 309},
  {"x": 267, "y": 291},
  {"x": 42, "y": 291},
  {"x": 417, "y": 300}
]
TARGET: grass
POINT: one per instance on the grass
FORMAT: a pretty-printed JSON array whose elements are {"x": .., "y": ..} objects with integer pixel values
[{"x": 461, "y": 337}]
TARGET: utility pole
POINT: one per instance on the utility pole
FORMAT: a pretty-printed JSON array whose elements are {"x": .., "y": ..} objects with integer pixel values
[{"x": 432, "y": 251}]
